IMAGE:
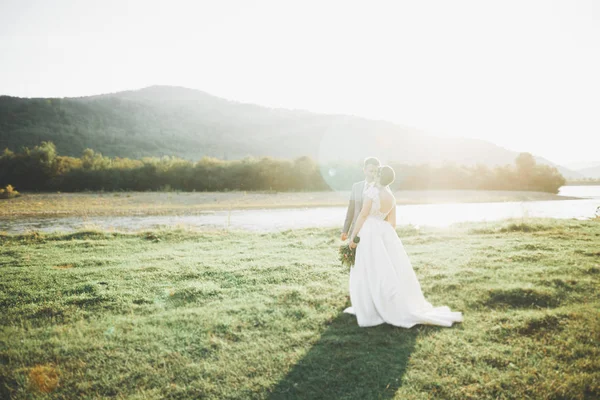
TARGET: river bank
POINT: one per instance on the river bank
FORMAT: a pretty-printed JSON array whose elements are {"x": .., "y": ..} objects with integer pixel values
[{"x": 192, "y": 203}]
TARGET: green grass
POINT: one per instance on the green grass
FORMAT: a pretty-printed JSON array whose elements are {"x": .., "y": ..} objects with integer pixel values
[{"x": 177, "y": 314}]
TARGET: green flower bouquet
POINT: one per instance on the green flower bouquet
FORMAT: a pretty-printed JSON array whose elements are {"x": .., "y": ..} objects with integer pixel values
[{"x": 347, "y": 255}]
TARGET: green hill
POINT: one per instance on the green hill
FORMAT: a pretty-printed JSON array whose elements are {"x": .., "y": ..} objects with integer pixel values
[{"x": 164, "y": 120}]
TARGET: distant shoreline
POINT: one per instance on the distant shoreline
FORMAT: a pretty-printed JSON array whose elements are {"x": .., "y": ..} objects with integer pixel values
[
  {"x": 190, "y": 203},
  {"x": 583, "y": 183}
]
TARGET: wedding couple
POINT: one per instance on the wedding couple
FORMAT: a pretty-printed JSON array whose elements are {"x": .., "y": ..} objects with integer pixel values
[{"x": 383, "y": 284}]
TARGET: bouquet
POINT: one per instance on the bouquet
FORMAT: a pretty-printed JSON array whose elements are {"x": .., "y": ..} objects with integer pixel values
[{"x": 347, "y": 255}]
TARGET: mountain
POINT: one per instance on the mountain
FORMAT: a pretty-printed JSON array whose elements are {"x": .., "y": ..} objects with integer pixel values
[
  {"x": 591, "y": 172},
  {"x": 165, "y": 120},
  {"x": 576, "y": 166}
]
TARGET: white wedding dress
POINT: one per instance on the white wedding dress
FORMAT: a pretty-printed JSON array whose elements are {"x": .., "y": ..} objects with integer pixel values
[{"x": 383, "y": 284}]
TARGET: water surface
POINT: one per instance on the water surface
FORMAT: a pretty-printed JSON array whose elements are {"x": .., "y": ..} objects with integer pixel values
[{"x": 439, "y": 215}]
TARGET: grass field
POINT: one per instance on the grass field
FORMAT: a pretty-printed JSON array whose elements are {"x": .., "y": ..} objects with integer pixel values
[
  {"x": 177, "y": 203},
  {"x": 178, "y": 315}
]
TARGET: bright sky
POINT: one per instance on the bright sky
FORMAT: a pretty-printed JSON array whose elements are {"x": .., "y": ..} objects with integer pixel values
[{"x": 523, "y": 74}]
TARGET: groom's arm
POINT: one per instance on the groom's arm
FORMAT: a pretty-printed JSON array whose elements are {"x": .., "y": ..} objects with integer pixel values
[{"x": 349, "y": 212}]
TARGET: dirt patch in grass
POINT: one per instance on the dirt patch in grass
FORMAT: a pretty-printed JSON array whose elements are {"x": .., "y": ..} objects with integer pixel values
[{"x": 44, "y": 378}]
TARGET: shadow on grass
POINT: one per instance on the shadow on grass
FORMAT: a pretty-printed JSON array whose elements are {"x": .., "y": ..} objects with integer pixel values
[{"x": 349, "y": 362}]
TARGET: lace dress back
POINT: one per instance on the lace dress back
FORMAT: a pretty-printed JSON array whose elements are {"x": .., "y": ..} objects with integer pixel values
[{"x": 373, "y": 194}]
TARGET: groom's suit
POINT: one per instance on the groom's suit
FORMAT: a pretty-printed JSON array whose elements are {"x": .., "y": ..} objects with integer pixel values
[{"x": 354, "y": 206}]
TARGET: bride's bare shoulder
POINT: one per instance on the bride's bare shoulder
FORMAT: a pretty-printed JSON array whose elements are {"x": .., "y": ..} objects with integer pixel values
[{"x": 391, "y": 196}]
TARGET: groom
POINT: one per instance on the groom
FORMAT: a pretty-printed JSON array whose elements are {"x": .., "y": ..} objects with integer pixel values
[{"x": 356, "y": 197}]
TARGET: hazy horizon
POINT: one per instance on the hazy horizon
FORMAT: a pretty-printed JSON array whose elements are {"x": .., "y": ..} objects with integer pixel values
[{"x": 521, "y": 75}]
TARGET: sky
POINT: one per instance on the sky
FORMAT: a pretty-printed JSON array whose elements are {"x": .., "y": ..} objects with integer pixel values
[{"x": 521, "y": 74}]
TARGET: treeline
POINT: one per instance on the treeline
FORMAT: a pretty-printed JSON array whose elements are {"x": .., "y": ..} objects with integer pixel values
[
  {"x": 584, "y": 182},
  {"x": 524, "y": 175},
  {"x": 43, "y": 169}
]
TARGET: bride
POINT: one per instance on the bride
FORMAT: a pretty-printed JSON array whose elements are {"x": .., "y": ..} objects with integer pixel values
[{"x": 383, "y": 285}]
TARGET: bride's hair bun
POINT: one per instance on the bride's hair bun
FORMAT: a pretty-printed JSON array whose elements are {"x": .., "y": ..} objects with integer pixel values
[{"x": 386, "y": 175}]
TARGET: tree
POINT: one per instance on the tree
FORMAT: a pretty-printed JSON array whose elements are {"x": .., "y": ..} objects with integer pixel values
[{"x": 525, "y": 163}]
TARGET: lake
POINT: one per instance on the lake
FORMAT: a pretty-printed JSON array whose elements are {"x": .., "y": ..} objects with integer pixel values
[{"x": 438, "y": 215}]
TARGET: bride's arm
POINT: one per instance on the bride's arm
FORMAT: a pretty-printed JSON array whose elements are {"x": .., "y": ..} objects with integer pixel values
[
  {"x": 391, "y": 218},
  {"x": 362, "y": 217}
]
